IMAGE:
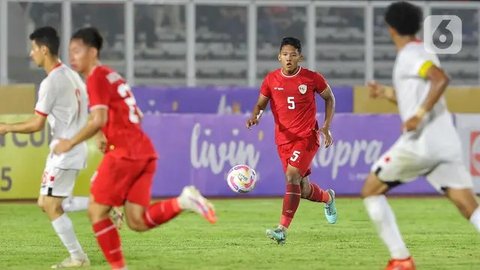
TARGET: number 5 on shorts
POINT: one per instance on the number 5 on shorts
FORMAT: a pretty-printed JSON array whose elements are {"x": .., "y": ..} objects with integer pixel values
[{"x": 295, "y": 155}]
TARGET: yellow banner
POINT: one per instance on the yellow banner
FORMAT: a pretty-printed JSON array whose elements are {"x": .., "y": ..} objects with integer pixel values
[{"x": 22, "y": 161}]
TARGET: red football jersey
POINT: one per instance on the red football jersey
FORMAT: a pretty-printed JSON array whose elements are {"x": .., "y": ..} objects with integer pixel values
[
  {"x": 292, "y": 99},
  {"x": 125, "y": 137}
]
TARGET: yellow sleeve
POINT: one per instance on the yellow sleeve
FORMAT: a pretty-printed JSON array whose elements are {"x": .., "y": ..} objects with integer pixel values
[{"x": 422, "y": 72}]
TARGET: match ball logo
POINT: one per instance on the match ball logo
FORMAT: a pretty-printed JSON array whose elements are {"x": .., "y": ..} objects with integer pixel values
[
  {"x": 302, "y": 88},
  {"x": 475, "y": 153}
]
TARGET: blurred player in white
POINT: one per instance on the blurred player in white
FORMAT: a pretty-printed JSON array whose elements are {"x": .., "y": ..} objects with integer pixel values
[
  {"x": 62, "y": 100},
  {"x": 429, "y": 145}
]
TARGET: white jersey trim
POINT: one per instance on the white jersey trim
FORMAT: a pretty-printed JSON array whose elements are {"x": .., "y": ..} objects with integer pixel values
[{"x": 291, "y": 76}]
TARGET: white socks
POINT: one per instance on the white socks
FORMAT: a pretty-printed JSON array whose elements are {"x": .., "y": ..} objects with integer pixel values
[
  {"x": 382, "y": 216},
  {"x": 71, "y": 204},
  {"x": 64, "y": 229},
  {"x": 475, "y": 219}
]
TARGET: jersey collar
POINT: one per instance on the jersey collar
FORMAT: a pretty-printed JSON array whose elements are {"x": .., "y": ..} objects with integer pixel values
[{"x": 291, "y": 76}]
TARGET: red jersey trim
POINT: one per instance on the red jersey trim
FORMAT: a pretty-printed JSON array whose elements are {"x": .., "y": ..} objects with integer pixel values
[
  {"x": 291, "y": 76},
  {"x": 41, "y": 113},
  {"x": 98, "y": 106},
  {"x": 55, "y": 67}
]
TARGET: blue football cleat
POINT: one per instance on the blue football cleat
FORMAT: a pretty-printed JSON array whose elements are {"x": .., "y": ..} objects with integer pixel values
[
  {"x": 330, "y": 209},
  {"x": 278, "y": 235}
]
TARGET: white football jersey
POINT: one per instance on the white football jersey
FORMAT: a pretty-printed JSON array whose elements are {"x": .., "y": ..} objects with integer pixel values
[
  {"x": 410, "y": 84},
  {"x": 411, "y": 88},
  {"x": 63, "y": 98}
]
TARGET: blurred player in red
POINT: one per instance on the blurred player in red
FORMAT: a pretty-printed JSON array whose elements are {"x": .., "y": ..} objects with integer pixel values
[
  {"x": 291, "y": 91},
  {"x": 125, "y": 174}
]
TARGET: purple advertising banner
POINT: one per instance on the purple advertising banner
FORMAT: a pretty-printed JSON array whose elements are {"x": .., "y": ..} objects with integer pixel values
[
  {"x": 217, "y": 100},
  {"x": 200, "y": 149}
]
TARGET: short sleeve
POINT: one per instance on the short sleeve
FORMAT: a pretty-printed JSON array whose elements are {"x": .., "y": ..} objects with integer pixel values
[
  {"x": 420, "y": 63},
  {"x": 320, "y": 83},
  {"x": 98, "y": 89},
  {"x": 265, "y": 88},
  {"x": 424, "y": 67},
  {"x": 46, "y": 98}
]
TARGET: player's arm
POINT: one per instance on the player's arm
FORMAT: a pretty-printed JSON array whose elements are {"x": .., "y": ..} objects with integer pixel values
[
  {"x": 381, "y": 91},
  {"x": 101, "y": 141},
  {"x": 34, "y": 124},
  {"x": 98, "y": 119},
  {"x": 438, "y": 84},
  {"x": 258, "y": 109},
  {"x": 329, "y": 98}
]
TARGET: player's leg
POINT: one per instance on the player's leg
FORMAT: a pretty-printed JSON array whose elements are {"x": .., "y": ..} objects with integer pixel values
[
  {"x": 296, "y": 158},
  {"x": 80, "y": 203},
  {"x": 291, "y": 200},
  {"x": 58, "y": 185},
  {"x": 384, "y": 220},
  {"x": 106, "y": 233},
  {"x": 108, "y": 189},
  {"x": 310, "y": 191},
  {"x": 142, "y": 216},
  {"x": 465, "y": 201},
  {"x": 395, "y": 167},
  {"x": 292, "y": 196},
  {"x": 454, "y": 179},
  {"x": 75, "y": 203},
  {"x": 314, "y": 193}
]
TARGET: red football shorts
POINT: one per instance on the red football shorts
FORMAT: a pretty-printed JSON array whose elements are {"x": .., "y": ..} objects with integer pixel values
[
  {"x": 299, "y": 153},
  {"x": 119, "y": 179}
]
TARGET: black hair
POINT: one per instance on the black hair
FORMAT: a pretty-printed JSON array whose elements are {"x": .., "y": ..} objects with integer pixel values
[
  {"x": 46, "y": 36},
  {"x": 90, "y": 36},
  {"x": 404, "y": 17},
  {"x": 295, "y": 42}
]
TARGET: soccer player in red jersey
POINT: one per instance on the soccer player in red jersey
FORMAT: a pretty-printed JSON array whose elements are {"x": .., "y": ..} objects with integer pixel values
[
  {"x": 291, "y": 91},
  {"x": 125, "y": 174}
]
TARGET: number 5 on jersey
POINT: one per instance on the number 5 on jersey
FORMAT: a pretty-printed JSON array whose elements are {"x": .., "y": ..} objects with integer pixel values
[
  {"x": 291, "y": 102},
  {"x": 295, "y": 156}
]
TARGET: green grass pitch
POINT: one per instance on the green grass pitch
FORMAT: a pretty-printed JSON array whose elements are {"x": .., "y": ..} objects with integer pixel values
[{"x": 438, "y": 237}]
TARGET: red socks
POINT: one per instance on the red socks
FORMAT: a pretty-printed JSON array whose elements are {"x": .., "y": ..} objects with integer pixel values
[
  {"x": 291, "y": 200},
  {"x": 161, "y": 212},
  {"x": 109, "y": 241},
  {"x": 317, "y": 194}
]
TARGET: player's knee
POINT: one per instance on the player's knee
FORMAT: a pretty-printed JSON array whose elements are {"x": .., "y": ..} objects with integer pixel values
[
  {"x": 465, "y": 208},
  {"x": 293, "y": 177},
  {"x": 373, "y": 186},
  {"x": 305, "y": 190},
  {"x": 40, "y": 204},
  {"x": 52, "y": 207},
  {"x": 136, "y": 224},
  {"x": 96, "y": 214}
]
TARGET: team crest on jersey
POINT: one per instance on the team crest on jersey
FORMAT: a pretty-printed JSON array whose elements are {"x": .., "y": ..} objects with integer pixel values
[{"x": 302, "y": 88}]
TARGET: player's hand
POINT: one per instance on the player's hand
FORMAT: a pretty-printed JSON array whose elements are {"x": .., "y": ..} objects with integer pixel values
[
  {"x": 101, "y": 142},
  {"x": 376, "y": 90},
  {"x": 412, "y": 123},
  {"x": 252, "y": 122},
  {"x": 3, "y": 129},
  {"x": 62, "y": 146},
  {"x": 327, "y": 135}
]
